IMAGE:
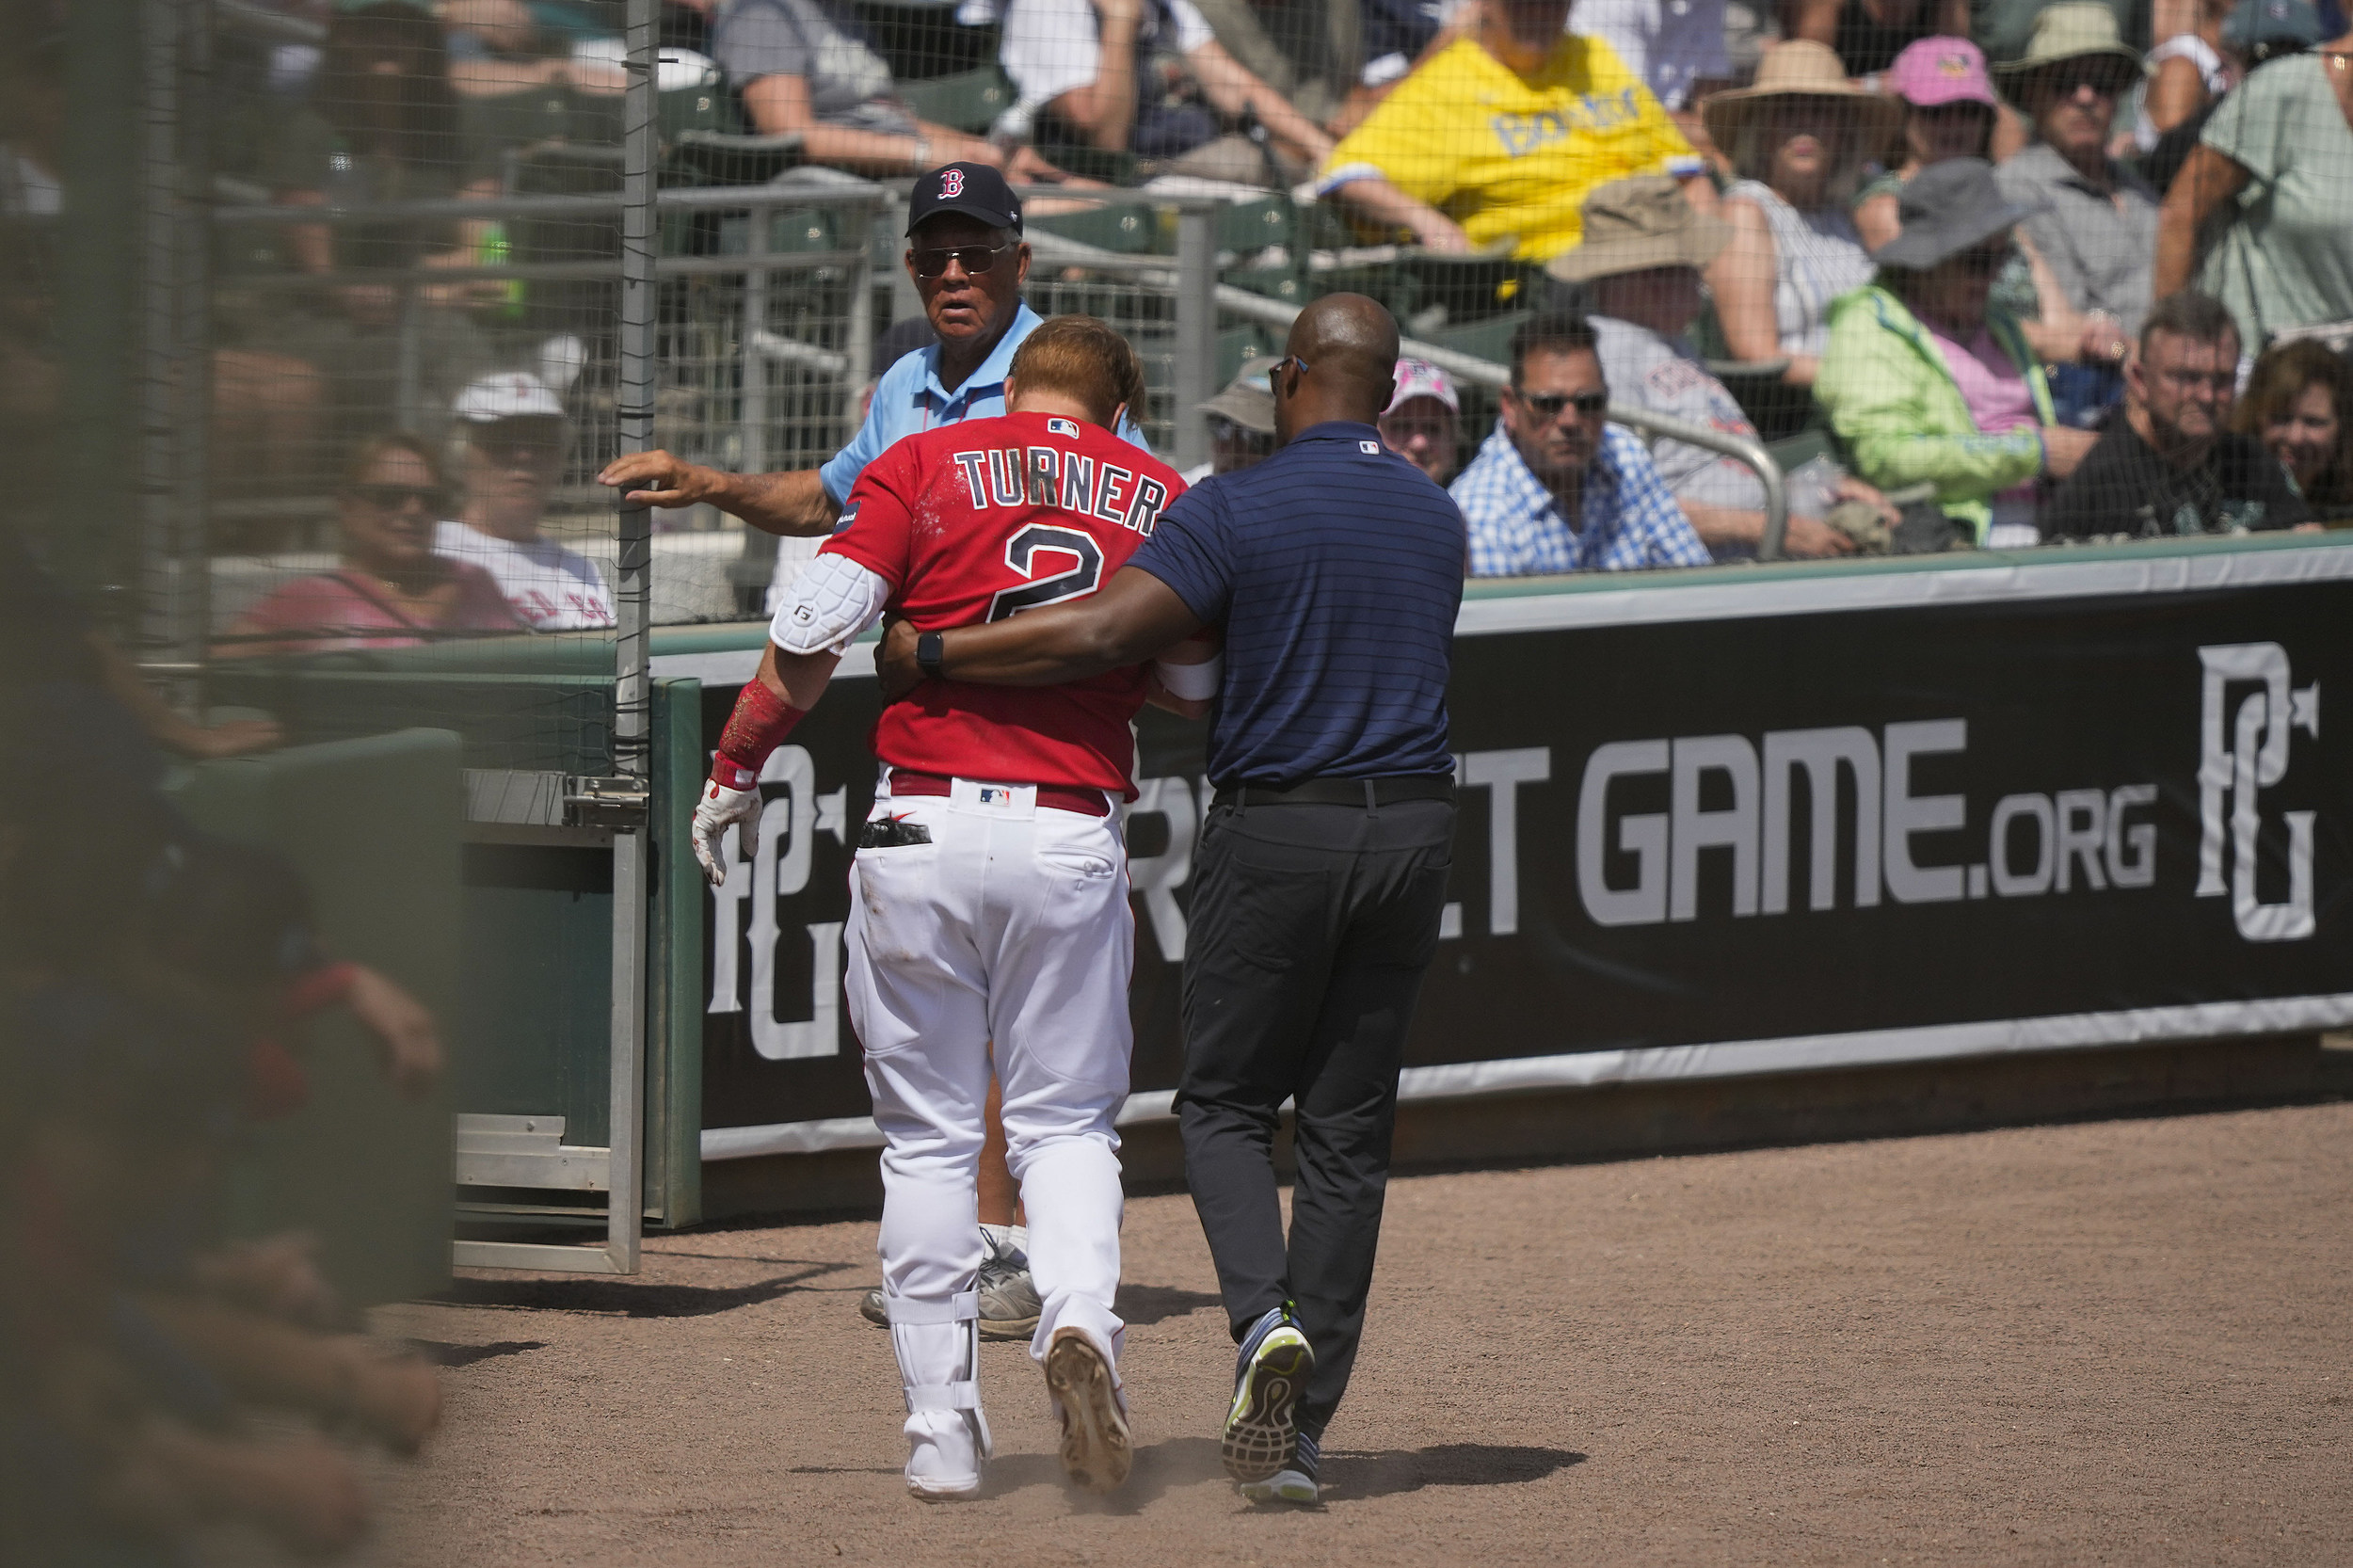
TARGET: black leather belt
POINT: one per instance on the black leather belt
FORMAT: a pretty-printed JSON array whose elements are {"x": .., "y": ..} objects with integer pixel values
[{"x": 1364, "y": 792}]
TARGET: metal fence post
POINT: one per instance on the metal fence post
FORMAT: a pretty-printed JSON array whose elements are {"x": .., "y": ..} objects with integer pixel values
[
  {"x": 172, "y": 373},
  {"x": 1196, "y": 329},
  {"x": 752, "y": 420},
  {"x": 859, "y": 344},
  {"x": 633, "y": 696}
]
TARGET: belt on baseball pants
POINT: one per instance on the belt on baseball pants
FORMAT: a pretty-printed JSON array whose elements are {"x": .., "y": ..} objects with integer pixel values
[
  {"x": 1061, "y": 797},
  {"x": 1367, "y": 793}
]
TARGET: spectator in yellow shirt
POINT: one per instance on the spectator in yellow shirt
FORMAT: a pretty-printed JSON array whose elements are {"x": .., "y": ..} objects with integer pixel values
[{"x": 1500, "y": 135}]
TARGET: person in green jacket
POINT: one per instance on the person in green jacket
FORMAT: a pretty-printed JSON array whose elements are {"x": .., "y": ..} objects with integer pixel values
[{"x": 1925, "y": 382}]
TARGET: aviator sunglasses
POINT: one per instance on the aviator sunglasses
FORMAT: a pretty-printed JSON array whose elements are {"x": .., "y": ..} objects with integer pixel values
[{"x": 974, "y": 258}]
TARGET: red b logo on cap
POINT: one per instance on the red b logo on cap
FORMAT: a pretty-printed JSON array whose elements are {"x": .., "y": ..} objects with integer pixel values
[{"x": 951, "y": 183}]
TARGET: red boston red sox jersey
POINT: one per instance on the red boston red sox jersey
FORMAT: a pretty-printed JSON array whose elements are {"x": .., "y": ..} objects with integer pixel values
[{"x": 984, "y": 520}]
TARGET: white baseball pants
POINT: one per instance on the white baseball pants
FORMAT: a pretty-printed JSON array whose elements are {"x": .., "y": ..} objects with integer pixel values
[{"x": 1011, "y": 925}]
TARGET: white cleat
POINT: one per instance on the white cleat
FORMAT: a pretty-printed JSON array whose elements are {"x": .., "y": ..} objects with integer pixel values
[{"x": 944, "y": 1454}]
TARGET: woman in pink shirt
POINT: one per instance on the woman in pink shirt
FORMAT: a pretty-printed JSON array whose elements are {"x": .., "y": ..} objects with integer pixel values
[
  {"x": 1927, "y": 382},
  {"x": 390, "y": 591}
]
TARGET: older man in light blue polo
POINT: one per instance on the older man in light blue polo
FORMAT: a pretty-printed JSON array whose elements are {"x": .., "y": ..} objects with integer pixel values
[{"x": 968, "y": 261}]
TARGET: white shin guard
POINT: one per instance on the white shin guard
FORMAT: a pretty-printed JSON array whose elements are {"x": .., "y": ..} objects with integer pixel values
[{"x": 938, "y": 1346}]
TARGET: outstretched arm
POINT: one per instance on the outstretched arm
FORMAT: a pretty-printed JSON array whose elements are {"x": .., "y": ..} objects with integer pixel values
[
  {"x": 1135, "y": 617},
  {"x": 794, "y": 503}
]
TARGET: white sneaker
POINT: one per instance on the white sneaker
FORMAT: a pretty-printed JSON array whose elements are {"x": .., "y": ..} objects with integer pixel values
[
  {"x": 1283, "y": 1486},
  {"x": 1095, "y": 1448}
]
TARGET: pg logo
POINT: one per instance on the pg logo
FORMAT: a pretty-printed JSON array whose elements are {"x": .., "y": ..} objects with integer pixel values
[
  {"x": 951, "y": 183},
  {"x": 2242, "y": 751}
]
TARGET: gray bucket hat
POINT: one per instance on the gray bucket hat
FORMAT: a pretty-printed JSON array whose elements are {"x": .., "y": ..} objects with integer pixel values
[
  {"x": 1945, "y": 209},
  {"x": 1248, "y": 399}
]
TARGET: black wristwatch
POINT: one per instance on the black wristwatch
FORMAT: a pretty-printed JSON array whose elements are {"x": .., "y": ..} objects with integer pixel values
[{"x": 930, "y": 647}]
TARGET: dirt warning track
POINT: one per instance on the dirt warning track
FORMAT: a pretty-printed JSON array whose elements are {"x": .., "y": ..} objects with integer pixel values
[{"x": 2113, "y": 1342}]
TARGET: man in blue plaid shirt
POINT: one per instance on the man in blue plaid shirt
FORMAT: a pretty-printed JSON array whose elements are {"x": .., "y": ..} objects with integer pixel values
[{"x": 1551, "y": 459}]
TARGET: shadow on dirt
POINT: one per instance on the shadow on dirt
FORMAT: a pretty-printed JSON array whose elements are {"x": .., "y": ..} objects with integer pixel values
[
  {"x": 621, "y": 1297},
  {"x": 1174, "y": 1462},
  {"x": 1157, "y": 1304},
  {"x": 1387, "y": 1473},
  {"x": 444, "y": 1354}
]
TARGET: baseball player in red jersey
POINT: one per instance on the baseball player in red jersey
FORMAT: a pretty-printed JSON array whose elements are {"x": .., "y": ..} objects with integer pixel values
[{"x": 989, "y": 895}]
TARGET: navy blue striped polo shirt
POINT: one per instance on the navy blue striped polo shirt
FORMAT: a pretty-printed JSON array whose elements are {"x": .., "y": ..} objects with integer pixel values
[{"x": 1337, "y": 568}]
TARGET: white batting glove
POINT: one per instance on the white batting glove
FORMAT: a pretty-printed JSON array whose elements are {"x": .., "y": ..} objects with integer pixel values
[{"x": 719, "y": 810}]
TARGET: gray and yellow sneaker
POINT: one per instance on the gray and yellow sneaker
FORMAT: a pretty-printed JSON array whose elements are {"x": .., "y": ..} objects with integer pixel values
[{"x": 1261, "y": 1437}]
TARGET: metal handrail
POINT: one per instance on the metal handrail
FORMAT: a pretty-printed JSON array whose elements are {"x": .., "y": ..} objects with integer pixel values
[{"x": 692, "y": 199}]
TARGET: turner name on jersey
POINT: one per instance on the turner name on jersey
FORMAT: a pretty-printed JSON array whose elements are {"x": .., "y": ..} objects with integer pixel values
[{"x": 1064, "y": 477}]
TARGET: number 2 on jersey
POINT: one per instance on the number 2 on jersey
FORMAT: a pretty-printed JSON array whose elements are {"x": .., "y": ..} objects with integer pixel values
[{"x": 1021, "y": 552}]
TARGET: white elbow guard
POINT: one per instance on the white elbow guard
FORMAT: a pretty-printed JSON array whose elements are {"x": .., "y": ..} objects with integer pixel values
[
  {"x": 1194, "y": 682},
  {"x": 830, "y": 602}
]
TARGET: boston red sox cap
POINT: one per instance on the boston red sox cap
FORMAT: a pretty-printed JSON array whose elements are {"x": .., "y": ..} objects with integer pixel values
[{"x": 975, "y": 190}]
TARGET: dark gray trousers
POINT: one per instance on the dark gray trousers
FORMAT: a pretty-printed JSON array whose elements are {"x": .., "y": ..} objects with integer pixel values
[{"x": 1309, "y": 931}]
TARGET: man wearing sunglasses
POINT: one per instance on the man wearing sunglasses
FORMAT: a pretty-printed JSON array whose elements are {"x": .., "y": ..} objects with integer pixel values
[
  {"x": 1554, "y": 489},
  {"x": 968, "y": 261},
  {"x": 2095, "y": 222},
  {"x": 2172, "y": 465},
  {"x": 513, "y": 454}
]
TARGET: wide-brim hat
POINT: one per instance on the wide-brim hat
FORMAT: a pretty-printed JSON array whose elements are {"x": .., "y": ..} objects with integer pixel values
[
  {"x": 2079, "y": 29},
  {"x": 1634, "y": 225},
  {"x": 1945, "y": 209},
  {"x": 1248, "y": 399},
  {"x": 1801, "y": 68}
]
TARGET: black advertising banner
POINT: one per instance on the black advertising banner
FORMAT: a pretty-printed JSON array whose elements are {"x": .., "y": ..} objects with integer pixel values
[{"x": 2112, "y": 813}]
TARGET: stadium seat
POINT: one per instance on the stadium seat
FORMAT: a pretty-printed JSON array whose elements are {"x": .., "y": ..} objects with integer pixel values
[
  {"x": 1275, "y": 283},
  {"x": 1237, "y": 344},
  {"x": 1131, "y": 228},
  {"x": 1489, "y": 340},
  {"x": 968, "y": 102},
  {"x": 1246, "y": 228},
  {"x": 1470, "y": 287}
]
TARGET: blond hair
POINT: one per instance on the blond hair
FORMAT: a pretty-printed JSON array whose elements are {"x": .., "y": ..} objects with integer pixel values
[{"x": 1083, "y": 358}]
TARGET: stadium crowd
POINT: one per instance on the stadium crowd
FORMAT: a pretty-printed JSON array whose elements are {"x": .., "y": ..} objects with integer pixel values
[{"x": 1934, "y": 254}]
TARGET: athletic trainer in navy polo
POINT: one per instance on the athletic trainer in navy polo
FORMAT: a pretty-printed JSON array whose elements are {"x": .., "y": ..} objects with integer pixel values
[{"x": 1337, "y": 568}]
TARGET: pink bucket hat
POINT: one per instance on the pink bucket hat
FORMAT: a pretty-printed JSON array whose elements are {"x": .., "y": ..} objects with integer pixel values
[
  {"x": 1934, "y": 71},
  {"x": 1421, "y": 378}
]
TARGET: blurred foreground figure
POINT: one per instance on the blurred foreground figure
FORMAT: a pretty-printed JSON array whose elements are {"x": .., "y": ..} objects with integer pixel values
[{"x": 151, "y": 984}]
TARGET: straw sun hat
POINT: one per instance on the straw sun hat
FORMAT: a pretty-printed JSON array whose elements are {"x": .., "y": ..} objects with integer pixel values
[
  {"x": 2078, "y": 30},
  {"x": 1802, "y": 69}
]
